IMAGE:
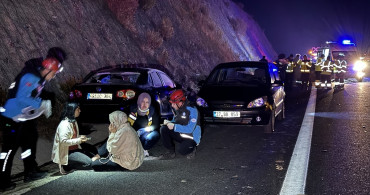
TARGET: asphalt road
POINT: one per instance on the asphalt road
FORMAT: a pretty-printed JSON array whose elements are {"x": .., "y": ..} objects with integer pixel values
[
  {"x": 229, "y": 160},
  {"x": 339, "y": 159}
]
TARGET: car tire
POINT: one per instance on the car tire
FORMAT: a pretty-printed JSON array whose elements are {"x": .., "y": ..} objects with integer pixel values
[{"x": 270, "y": 127}]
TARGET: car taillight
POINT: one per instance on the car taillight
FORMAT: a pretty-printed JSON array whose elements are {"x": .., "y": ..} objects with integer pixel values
[
  {"x": 126, "y": 94},
  {"x": 75, "y": 94}
]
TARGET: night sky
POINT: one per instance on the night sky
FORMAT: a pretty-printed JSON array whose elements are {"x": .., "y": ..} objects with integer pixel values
[{"x": 295, "y": 26}]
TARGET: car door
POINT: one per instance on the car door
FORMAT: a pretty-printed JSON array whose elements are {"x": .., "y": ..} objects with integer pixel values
[
  {"x": 163, "y": 86},
  {"x": 277, "y": 89}
]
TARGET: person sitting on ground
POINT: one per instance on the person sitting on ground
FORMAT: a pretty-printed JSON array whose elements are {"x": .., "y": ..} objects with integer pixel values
[
  {"x": 70, "y": 150},
  {"x": 123, "y": 150},
  {"x": 184, "y": 128},
  {"x": 145, "y": 120}
]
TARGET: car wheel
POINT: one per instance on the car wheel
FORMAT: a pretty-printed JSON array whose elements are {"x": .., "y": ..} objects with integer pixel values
[{"x": 270, "y": 127}]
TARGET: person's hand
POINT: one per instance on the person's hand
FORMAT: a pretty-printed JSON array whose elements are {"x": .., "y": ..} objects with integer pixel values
[
  {"x": 170, "y": 126},
  {"x": 96, "y": 157},
  {"x": 165, "y": 122},
  {"x": 112, "y": 128},
  {"x": 83, "y": 138}
]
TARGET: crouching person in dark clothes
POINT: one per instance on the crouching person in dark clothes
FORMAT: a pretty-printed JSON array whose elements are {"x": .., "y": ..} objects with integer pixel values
[
  {"x": 184, "y": 128},
  {"x": 123, "y": 150}
]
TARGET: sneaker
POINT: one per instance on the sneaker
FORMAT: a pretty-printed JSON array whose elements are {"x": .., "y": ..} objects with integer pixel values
[
  {"x": 7, "y": 187},
  {"x": 191, "y": 155},
  {"x": 167, "y": 156},
  {"x": 146, "y": 153},
  {"x": 32, "y": 176}
]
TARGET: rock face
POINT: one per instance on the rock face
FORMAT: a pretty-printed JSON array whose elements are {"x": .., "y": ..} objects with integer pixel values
[{"x": 187, "y": 37}]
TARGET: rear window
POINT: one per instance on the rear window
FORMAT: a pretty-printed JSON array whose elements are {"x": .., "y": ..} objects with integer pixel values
[
  {"x": 115, "y": 78},
  {"x": 238, "y": 76}
]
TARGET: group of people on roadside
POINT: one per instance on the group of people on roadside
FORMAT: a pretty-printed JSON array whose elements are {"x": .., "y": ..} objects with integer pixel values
[
  {"x": 305, "y": 71},
  {"x": 130, "y": 135}
]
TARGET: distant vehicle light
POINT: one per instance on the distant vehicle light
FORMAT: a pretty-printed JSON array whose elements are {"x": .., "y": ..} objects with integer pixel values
[
  {"x": 347, "y": 42},
  {"x": 359, "y": 66}
]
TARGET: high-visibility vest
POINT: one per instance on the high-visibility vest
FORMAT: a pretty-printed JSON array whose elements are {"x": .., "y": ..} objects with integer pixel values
[
  {"x": 340, "y": 66},
  {"x": 326, "y": 67},
  {"x": 305, "y": 66},
  {"x": 318, "y": 64},
  {"x": 290, "y": 67}
]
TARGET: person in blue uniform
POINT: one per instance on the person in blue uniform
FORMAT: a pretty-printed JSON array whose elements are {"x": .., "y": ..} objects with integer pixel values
[
  {"x": 184, "y": 128},
  {"x": 26, "y": 102}
]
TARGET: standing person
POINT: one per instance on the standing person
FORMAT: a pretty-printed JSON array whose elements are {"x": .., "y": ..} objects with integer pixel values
[
  {"x": 145, "y": 120},
  {"x": 326, "y": 72},
  {"x": 281, "y": 64},
  {"x": 263, "y": 59},
  {"x": 123, "y": 149},
  {"x": 305, "y": 66},
  {"x": 24, "y": 103},
  {"x": 184, "y": 128},
  {"x": 319, "y": 63},
  {"x": 70, "y": 150},
  {"x": 289, "y": 75},
  {"x": 340, "y": 69}
]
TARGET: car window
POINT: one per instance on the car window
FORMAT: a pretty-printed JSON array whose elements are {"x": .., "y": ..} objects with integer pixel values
[
  {"x": 238, "y": 76},
  {"x": 166, "y": 80},
  {"x": 156, "y": 80},
  {"x": 115, "y": 78}
]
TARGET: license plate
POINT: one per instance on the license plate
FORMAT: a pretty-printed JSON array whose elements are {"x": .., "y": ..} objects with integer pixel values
[
  {"x": 99, "y": 96},
  {"x": 226, "y": 114}
]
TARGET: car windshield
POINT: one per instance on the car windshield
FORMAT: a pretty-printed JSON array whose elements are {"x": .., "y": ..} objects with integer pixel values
[
  {"x": 238, "y": 76},
  {"x": 114, "y": 78}
]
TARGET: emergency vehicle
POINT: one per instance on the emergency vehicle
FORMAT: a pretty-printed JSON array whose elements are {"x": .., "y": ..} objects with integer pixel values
[{"x": 355, "y": 64}]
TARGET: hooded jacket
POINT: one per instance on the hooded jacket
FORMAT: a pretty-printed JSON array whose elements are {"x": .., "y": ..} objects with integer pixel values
[{"x": 124, "y": 145}]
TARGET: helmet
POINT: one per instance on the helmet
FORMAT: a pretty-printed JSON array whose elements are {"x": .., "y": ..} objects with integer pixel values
[
  {"x": 51, "y": 64},
  {"x": 177, "y": 96}
]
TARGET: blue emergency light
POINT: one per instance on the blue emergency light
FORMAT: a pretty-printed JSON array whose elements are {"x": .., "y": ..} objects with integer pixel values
[{"x": 347, "y": 42}]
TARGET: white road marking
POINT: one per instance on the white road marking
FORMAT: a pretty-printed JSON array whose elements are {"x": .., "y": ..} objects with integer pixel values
[{"x": 295, "y": 179}]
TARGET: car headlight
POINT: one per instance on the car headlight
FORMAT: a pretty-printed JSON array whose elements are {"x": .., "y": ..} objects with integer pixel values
[
  {"x": 359, "y": 65},
  {"x": 259, "y": 102},
  {"x": 201, "y": 102}
]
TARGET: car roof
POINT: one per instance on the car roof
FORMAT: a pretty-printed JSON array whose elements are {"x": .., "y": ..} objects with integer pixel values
[{"x": 242, "y": 63}]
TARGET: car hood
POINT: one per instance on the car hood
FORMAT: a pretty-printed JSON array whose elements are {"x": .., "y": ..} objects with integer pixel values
[{"x": 217, "y": 93}]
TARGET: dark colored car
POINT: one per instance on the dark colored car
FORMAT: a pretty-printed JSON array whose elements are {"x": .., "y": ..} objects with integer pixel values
[
  {"x": 117, "y": 88},
  {"x": 249, "y": 93}
]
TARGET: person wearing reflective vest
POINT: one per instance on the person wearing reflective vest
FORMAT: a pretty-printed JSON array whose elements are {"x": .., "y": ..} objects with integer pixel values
[
  {"x": 326, "y": 72},
  {"x": 318, "y": 69},
  {"x": 184, "y": 128},
  {"x": 305, "y": 66},
  {"x": 340, "y": 69},
  {"x": 145, "y": 120},
  {"x": 289, "y": 72}
]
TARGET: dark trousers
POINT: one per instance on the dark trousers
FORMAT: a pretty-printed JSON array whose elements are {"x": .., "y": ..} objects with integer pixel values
[
  {"x": 289, "y": 79},
  {"x": 15, "y": 135},
  {"x": 317, "y": 75},
  {"x": 339, "y": 77},
  {"x": 104, "y": 163},
  {"x": 326, "y": 78},
  {"x": 186, "y": 145},
  {"x": 80, "y": 159},
  {"x": 305, "y": 78},
  {"x": 148, "y": 139}
]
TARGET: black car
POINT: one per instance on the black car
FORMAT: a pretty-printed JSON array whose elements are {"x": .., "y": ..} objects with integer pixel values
[
  {"x": 117, "y": 88},
  {"x": 245, "y": 92}
]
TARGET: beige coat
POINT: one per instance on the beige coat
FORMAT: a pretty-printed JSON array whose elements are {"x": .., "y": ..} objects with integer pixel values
[
  {"x": 62, "y": 141},
  {"x": 124, "y": 145}
]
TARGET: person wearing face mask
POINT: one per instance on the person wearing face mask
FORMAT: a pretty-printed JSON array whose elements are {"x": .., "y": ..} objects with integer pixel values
[
  {"x": 69, "y": 149},
  {"x": 26, "y": 101},
  {"x": 144, "y": 119}
]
